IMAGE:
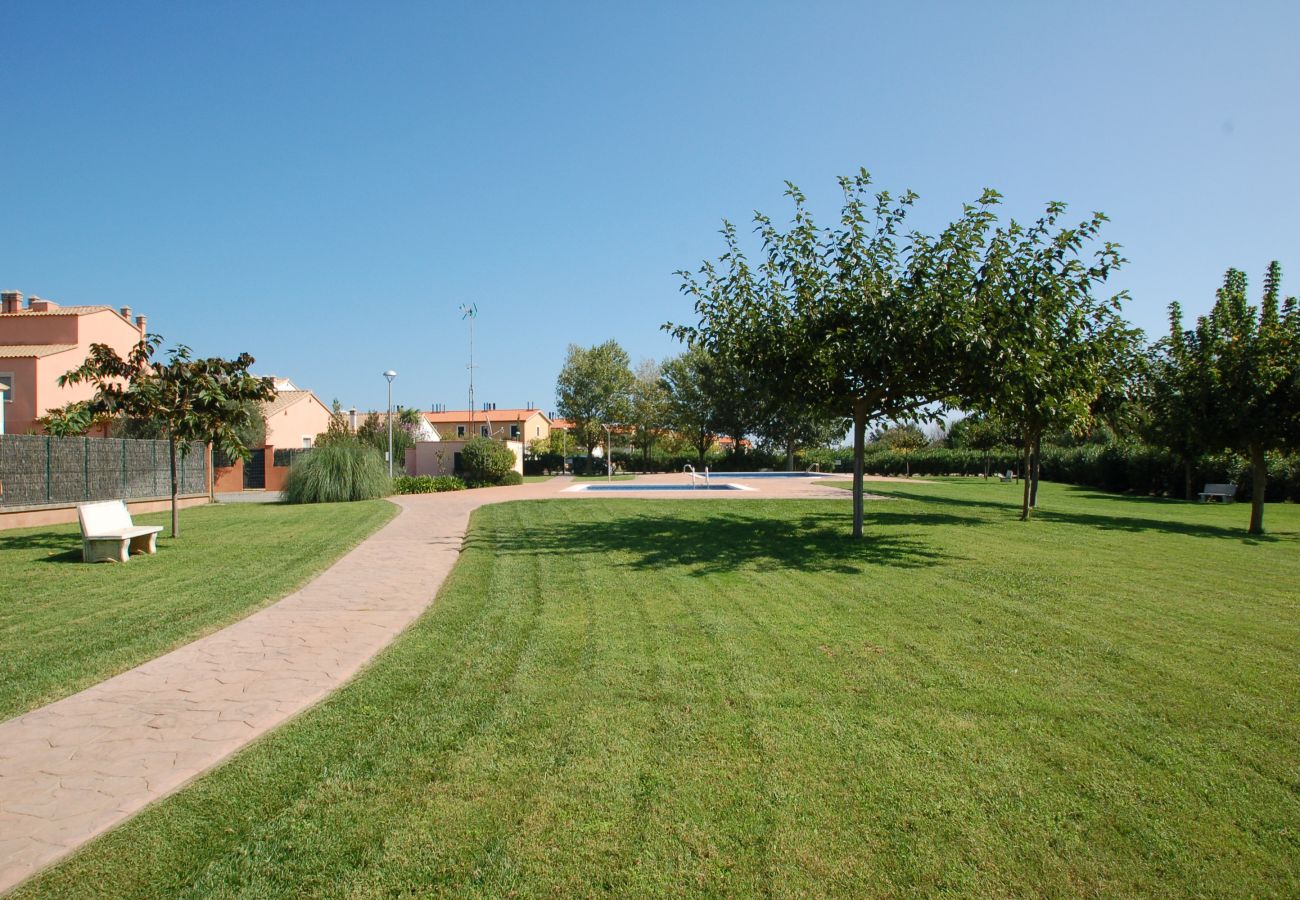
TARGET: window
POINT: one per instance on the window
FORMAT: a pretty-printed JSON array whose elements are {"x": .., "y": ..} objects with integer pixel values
[
  {"x": 482, "y": 429},
  {"x": 537, "y": 432},
  {"x": 514, "y": 431},
  {"x": 460, "y": 431},
  {"x": 7, "y": 379},
  {"x": 306, "y": 442}
]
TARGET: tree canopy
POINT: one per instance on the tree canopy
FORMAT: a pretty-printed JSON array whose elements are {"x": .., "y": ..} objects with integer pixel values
[{"x": 594, "y": 389}]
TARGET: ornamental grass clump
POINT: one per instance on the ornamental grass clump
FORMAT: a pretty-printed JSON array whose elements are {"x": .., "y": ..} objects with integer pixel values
[{"x": 337, "y": 473}]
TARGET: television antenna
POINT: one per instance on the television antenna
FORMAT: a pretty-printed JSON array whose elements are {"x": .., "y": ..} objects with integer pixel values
[{"x": 470, "y": 311}]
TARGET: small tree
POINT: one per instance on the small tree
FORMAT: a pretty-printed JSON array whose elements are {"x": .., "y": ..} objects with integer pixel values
[
  {"x": 71, "y": 420},
  {"x": 1240, "y": 368},
  {"x": 204, "y": 400},
  {"x": 904, "y": 440},
  {"x": 593, "y": 390},
  {"x": 648, "y": 408},
  {"x": 1042, "y": 345}
]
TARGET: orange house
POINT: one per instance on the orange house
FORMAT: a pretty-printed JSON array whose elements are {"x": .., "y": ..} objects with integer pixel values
[
  {"x": 293, "y": 419},
  {"x": 41, "y": 341}
]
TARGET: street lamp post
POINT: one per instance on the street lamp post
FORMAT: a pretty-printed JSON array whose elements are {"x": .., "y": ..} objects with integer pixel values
[
  {"x": 609, "y": 454},
  {"x": 390, "y": 375}
]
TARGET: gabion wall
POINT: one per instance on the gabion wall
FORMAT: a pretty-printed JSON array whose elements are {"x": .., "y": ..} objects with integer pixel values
[{"x": 36, "y": 469}]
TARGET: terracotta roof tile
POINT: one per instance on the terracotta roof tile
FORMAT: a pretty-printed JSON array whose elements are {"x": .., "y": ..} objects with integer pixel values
[
  {"x": 282, "y": 401},
  {"x": 17, "y": 351},
  {"x": 62, "y": 311}
]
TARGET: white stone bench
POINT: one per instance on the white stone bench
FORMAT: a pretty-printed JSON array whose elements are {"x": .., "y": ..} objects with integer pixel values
[
  {"x": 108, "y": 534},
  {"x": 1226, "y": 493}
]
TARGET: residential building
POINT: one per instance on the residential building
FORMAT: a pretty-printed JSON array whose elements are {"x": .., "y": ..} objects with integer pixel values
[
  {"x": 524, "y": 425},
  {"x": 293, "y": 420},
  {"x": 41, "y": 340}
]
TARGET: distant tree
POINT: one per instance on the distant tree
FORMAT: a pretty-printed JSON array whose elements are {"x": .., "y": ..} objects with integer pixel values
[
  {"x": 339, "y": 430},
  {"x": 648, "y": 408},
  {"x": 252, "y": 431},
  {"x": 1171, "y": 392},
  {"x": 904, "y": 439},
  {"x": 790, "y": 427},
  {"x": 1045, "y": 343},
  {"x": 689, "y": 404},
  {"x": 1240, "y": 370},
  {"x": 593, "y": 391},
  {"x": 982, "y": 433},
  {"x": 204, "y": 400}
]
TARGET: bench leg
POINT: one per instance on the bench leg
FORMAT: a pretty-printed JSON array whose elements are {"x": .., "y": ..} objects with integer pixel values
[
  {"x": 105, "y": 551},
  {"x": 145, "y": 543}
]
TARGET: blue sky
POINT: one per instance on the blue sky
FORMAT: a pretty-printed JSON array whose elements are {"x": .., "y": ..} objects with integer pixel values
[{"x": 323, "y": 184}]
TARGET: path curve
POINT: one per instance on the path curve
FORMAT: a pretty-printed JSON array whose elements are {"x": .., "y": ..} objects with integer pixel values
[{"x": 81, "y": 765}]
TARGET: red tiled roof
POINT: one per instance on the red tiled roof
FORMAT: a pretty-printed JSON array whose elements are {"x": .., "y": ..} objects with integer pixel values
[
  {"x": 482, "y": 415},
  {"x": 61, "y": 311}
]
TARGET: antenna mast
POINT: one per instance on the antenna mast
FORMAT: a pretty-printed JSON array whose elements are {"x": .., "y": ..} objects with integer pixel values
[{"x": 470, "y": 311}]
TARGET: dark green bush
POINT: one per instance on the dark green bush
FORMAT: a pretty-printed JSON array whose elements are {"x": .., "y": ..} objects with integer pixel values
[
  {"x": 512, "y": 477},
  {"x": 485, "y": 462},
  {"x": 337, "y": 473}
]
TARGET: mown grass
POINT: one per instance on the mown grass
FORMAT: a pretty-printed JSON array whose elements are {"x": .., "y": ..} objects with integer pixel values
[
  {"x": 65, "y": 624},
  {"x": 666, "y": 697}
]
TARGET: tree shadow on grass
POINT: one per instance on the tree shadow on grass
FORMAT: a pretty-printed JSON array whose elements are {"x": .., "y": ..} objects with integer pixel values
[
  {"x": 58, "y": 548},
  {"x": 1118, "y": 522},
  {"x": 726, "y": 540}
]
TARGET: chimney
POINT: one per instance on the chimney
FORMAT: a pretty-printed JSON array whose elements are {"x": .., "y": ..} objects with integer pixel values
[
  {"x": 36, "y": 304},
  {"x": 11, "y": 301},
  {"x": 140, "y": 323},
  {"x": 352, "y": 418},
  {"x": 126, "y": 313}
]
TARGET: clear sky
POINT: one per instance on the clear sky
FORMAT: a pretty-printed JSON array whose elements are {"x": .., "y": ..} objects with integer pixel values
[{"x": 323, "y": 184}]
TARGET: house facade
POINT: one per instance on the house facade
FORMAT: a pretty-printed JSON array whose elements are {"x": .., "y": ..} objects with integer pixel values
[
  {"x": 523, "y": 425},
  {"x": 293, "y": 420},
  {"x": 41, "y": 340}
]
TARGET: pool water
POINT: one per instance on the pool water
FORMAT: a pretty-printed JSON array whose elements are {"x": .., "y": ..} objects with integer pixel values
[
  {"x": 765, "y": 474},
  {"x": 658, "y": 487}
]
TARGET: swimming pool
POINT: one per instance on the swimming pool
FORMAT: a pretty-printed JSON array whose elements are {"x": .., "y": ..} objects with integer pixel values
[{"x": 616, "y": 487}]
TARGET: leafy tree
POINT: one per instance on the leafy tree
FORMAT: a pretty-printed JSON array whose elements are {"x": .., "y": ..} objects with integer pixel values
[
  {"x": 856, "y": 320},
  {"x": 1170, "y": 392},
  {"x": 980, "y": 432},
  {"x": 904, "y": 439},
  {"x": 689, "y": 408},
  {"x": 1240, "y": 370},
  {"x": 252, "y": 433},
  {"x": 1043, "y": 345},
  {"x": 593, "y": 390},
  {"x": 648, "y": 408},
  {"x": 339, "y": 430},
  {"x": 204, "y": 400},
  {"x": 790, "y": 427}
]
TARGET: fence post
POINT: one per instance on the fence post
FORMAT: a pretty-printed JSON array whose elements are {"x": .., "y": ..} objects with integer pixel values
[
  {"x": 48, "y": 496},
  {"x": 153, "y": 449},
  {"x": 124, "y": 489},
  {"x": 85, "y": 468}
]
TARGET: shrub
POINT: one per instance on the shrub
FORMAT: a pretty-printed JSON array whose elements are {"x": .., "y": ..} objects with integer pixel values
[
  {"x": 512, "y": 477},
  {"x": 337, "y": 473},
  {"x": 486, "y": 461},
  {"x": 426, "y": 484}
]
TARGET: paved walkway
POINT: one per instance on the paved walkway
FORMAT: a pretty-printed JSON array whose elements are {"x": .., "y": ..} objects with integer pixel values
[{"x": 79, "y": 766}]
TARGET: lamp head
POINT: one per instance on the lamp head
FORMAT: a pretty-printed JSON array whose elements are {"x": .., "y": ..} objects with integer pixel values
[{"x": 390, "y": 375}]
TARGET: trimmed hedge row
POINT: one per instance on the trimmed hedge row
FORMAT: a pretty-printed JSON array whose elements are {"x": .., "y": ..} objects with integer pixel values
[{"x": 1110, "y": 467}]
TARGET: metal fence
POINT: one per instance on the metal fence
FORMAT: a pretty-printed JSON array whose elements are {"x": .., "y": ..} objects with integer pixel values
[{"x": 37, "y": 470}]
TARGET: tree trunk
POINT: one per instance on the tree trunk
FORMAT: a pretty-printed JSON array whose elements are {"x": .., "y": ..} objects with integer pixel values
[
  {"x": 1037, "y": 464},
  {"x": 176, "y": 488},
  {"x": 859, "y": 449},
  {"x": 789, "y": 456},
  {"x": 1258, "y": 486},
  {"x": 1025, "y": 457},
  {"x": 1187, "y": 480}
]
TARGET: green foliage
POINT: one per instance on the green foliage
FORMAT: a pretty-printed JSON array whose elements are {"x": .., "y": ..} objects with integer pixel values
[
  {"x": 71, "y": 420},
  {"x": 337, "y": 473},
  {"x": 688, "y": 405},
  {"x": 511, "y": 478},
  {"x": 486, "y": 462},
  {"x": 647, "y": 407},
  {"x": 195, "y": 400},
  {"x": 339, "y": 430},
  {"x": 593, "y": 390},
  {"x": 426, "y": 484},
  {"x": 1237, "y": 375},
  {"x": 373, "y": 432}
]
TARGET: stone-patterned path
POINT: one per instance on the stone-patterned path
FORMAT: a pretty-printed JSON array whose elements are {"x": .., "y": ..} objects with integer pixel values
[{"x": 79, "y": 766}]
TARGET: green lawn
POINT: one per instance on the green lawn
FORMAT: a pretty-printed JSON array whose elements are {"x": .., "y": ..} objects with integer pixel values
[
  {"x": 645, "y": 697},
  {"x": 603, "y": 477},
  {"x": 65, "y": 624},
  {"x": 533, "y": 479}
]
